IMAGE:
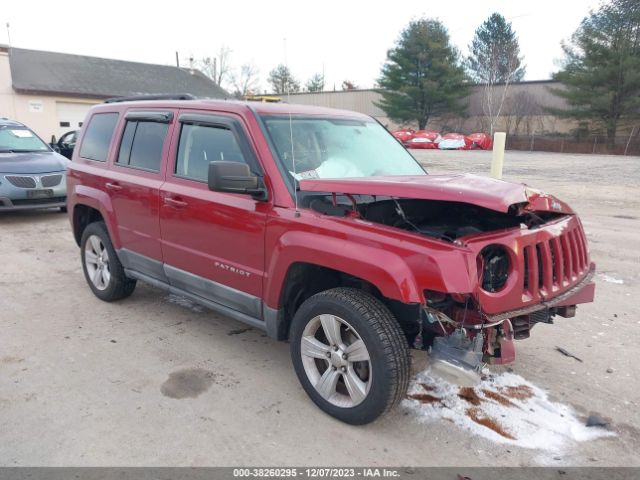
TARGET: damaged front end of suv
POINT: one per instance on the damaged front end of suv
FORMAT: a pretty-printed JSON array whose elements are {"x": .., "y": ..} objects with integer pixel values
[{"x": 525, "y": 254}]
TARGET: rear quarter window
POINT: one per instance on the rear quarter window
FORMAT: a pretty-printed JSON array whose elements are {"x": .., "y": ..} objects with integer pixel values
[{"x": 96, "y": 140}]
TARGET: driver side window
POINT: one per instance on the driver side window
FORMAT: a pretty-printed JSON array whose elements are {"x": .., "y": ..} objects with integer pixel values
[{"x": 201, "y": 144}]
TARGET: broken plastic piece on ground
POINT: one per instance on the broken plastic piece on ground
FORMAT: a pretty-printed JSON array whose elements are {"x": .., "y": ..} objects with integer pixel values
[
  {"x": 566, "y": 353},
  {"x": 595, "y": 421},
  {"x": 455, "y": 374},
  {"x": 458, "y": 358}
]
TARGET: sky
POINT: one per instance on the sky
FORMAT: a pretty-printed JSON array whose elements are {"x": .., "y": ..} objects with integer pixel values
[{"x": 345, "y": 39}]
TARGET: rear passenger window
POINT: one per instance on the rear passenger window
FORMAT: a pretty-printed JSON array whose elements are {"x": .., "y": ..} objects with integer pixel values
[
  {"x": 141, "y": 145},
  {"x": 200, "y": 145},
  {"x": 95, "y": 144}
]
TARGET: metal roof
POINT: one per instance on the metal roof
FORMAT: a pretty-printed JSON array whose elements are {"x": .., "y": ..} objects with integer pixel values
[{"x": 35, "y": 71}]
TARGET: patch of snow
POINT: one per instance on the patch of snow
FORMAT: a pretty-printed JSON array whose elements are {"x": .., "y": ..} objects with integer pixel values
[
  {"x": 503, "y": 408},
  {"x": 610, "y": 279},
  {"x": 184, "y": 302}
]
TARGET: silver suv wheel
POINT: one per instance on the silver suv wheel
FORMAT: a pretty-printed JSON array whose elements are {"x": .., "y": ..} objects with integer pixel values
[
  {"x": 336, "y": 360},
  {"x": 96, "y": 259}
]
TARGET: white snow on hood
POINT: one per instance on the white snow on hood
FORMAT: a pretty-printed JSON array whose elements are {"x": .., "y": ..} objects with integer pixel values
[{"x": 503, "y": 408}]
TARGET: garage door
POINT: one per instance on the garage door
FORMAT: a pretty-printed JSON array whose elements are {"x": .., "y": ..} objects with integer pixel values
[{"x": 70, "y": 116}]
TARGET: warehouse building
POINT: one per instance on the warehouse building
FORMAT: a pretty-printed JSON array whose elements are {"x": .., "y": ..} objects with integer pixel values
[
  {"x": 52, "y": 92},
  {"x": 523, "y": 112}
]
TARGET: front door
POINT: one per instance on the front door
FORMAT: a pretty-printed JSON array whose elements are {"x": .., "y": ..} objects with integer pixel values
[{"x": 212, "y": 242}]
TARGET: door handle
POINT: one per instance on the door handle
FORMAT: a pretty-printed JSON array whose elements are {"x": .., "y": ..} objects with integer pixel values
[
  {"x": 174, "y": 202},
  {"x": 113, "y": 186}
]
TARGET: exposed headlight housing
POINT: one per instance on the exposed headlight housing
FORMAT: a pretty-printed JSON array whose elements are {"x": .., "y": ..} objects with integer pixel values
[{"x": 493, "y": 266}]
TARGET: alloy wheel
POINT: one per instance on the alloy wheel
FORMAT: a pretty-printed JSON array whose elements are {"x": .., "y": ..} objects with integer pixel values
[
  {"x": 96, "y": 260},
  {"x": 336, "y": 360}
]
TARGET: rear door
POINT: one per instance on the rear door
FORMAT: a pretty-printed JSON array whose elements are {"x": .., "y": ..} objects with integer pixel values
[
  {"x": 212, "y": 242},
  {"x": 134, "y": 187}
]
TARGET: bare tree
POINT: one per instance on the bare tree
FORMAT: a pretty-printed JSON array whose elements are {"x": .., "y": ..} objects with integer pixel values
[
  {"x": 217, "y": 68},
  {"x": 245, "y": 81},
  {"x": 349, "y": 85},
  {"x": 522, "y": 107},
  {"x": 495, "y": 62},
  {"x": 493, "y": 100}
]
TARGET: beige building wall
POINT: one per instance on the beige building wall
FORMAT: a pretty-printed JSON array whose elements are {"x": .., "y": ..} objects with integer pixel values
[
  {"x": 362, "y": 101},
  {"x": 523, "y": 111},
  {"x": 38, "y": 112}
]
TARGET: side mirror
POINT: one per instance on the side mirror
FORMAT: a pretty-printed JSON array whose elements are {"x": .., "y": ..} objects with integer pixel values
[{"x": 234, "y": 177}]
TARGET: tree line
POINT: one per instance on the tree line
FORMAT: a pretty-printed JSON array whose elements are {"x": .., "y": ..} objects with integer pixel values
[
  {"x": 425, "y": 76},
  {"x": 245, "y": 80}
]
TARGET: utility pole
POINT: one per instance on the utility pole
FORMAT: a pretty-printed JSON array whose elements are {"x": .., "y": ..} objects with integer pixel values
[
  {"x": 177, "y": 60},
  {"x": 9, "y": 33}
]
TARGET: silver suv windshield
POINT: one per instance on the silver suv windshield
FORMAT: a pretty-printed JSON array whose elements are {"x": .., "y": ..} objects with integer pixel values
[
  {"x": 20, "y": 139},
  {"x": 327, "y": 147}
]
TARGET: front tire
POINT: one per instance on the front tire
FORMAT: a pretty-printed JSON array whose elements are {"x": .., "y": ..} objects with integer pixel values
[
  {"x": 102, "y": 268},
  {"x": 350, "y": 355}
]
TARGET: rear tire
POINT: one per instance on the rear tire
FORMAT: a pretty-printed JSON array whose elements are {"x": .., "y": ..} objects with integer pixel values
[
  {"x": 350, "y": 355},
  {"x": 102, "y": 268}
]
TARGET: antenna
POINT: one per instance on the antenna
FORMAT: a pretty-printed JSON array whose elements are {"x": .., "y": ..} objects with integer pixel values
[{"x": 293, "y": 155}]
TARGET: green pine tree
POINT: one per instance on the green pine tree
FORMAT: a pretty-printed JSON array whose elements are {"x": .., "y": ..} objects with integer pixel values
[
  {"x": 422, "y": 76},
  {"x": 495, "y": 53},
  {"x": 601, "y": 70},
  {"x": 315, "y": 83}
]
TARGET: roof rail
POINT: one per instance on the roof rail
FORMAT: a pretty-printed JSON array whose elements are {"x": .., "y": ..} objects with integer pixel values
[{"x": 138, "y": 98}]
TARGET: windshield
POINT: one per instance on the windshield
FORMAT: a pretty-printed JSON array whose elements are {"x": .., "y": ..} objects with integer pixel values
[
  {"x": 20, "y": 139},
  {"x": 338, "y": 147}
]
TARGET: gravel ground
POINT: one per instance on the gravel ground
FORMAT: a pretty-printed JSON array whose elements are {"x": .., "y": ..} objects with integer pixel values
[{"x": 154, "y": 380}]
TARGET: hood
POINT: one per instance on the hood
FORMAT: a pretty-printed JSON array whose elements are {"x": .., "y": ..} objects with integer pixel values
[
  {"x": 484, "y": 192},
  {"x": 32, "y": 162}
]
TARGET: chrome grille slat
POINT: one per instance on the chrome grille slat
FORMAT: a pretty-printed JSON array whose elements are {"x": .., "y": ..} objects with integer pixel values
[{"x": 21, "y": 181}]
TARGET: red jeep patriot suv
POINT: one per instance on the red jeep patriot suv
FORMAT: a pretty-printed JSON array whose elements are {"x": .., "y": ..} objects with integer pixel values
[{"x": 318, "y": 227}]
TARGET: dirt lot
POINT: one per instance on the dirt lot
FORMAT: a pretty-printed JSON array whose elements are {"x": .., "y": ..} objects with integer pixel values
[{"x": 154, "y": 380}]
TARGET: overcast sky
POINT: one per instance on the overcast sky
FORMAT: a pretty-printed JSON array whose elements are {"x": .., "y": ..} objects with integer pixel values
[{"x": 349, "y": 39}]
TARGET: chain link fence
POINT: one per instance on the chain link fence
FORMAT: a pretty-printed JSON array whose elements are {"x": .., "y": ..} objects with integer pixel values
[{"x": 594, "y": 144}]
